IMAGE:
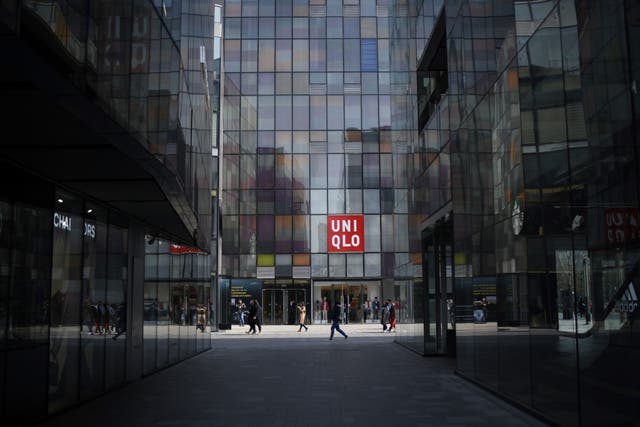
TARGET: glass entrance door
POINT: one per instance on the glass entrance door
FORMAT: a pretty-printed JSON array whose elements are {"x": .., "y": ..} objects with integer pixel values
[
  {"x": 276, "y": 305},
  {"x": 439, "y": 325},
  {"x": 272, "y": 306}
]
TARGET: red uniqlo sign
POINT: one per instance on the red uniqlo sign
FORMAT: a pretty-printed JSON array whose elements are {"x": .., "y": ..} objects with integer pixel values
[{"x": 345, "y": 233}]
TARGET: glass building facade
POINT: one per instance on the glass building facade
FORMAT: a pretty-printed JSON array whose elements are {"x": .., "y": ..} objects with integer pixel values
[
  {"x": 522, "y": 130},
  {"x": 307, "y": 134},
  {"x": 106, "y": 218}
]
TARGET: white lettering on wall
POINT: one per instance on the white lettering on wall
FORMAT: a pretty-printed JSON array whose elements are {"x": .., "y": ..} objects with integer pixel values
[
  {"x": 62, "y": 222},
  {"x": 90, "y": 230}
]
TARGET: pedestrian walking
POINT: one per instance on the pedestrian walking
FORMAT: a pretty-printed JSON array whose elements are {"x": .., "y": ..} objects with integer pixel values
[
  {"x": 335, "y": 317},
  {"x": 241, "y": 308},
  {"x": 302, "y": 313},
  {"x": 202, "y": 317},
  {"x": 121, "y": 326},
  {"x": 375, "y": 306},
  {"x": 253, "y": 314},
  {"x": 258, "y": 317},
  {"x": 392, "y": 316},
  {"x": 384, "y": 318}
]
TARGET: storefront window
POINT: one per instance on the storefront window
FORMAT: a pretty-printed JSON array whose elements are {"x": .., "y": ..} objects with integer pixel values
[{"x": 66, "y": 307}]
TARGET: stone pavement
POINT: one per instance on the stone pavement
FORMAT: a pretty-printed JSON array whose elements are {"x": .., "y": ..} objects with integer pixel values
[{"x": 285, "y": 378}]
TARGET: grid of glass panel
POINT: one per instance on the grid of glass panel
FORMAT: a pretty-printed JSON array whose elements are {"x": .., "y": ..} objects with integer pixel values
[
  {"x": 177, "y": 304},
  {"x": 307, "y": 133}
]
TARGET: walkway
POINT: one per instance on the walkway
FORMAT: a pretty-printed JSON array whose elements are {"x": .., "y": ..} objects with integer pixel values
[{"x": 285, "y": 378}]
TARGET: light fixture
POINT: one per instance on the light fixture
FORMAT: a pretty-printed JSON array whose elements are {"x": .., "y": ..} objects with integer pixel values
[
  {"x": 89, "y": 210},
  {"x": 60, "y": 200}
]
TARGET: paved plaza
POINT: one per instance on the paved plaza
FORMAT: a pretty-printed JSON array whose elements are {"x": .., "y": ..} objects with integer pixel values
[{"x": 285, "y": 378}]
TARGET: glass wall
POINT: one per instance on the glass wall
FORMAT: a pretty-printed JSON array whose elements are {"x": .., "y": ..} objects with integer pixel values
[
  {"x": 145, "y": 79},
  {"x": 88, "y": 302},
  {"x": 26, "y": 232},
  {"x": 307, "y": 134},
  {"x": 177, "y": 303},
  {"x": 540, "y": 123},
  {"x": 63, "y": 280}
]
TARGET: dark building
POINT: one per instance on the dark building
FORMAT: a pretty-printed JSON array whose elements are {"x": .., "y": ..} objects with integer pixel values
[
  {"x": 524, "y": 193},
  {"x": 108, "y": 112}
]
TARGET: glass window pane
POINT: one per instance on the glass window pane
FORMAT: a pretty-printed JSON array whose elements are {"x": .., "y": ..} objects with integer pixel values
[
  {"x": 351, "y": 28},
  {"x": 283, "y": 235},
  {"x": 335, "y": 112},
  {"x": 352, "y": 111},
  {"x": 283, "y": 27},
  {"x": 319, "y": 234},
  {"x": 369, "y": 55},
  {"x": 353, "y": 172},
  {"x": 319, "y": 265},
  {"x": 337, "y": 267},
  {"x": 372, "y": 201},
  {"x": 300, "y": 55},
  {"x": 372, "y": 233},
  {"x": 318, "y": 171},
  {"x": 284, "y": 54},
  {"x": 283, "y": 112},
  {"x": 351, "y": 54},
  {"x": 267, "y": 27},
  {"x": 283, "y": 201},
  {"x": 266, "y": 113},
  {"x": 300, "y": 171},
  {"x": 301, "y": 112},
  {"x": 336, "y": 170},
  {"x": 354, "y": 201},
  {"x": 301, "y": 234},
  {"x": 354, "y": 265},
  {"x": 336, "y": 201},
  {"x": 372, "y": 265},
  {"x": 318, "y": 201},
  {"x": 371, "y": 170},
  {"x": 266, "y": 84},
  {"x": 66, "y": 279},
  {"x": 300, "y": 28},
  {"x": 369, "y": 112},
  {"x": 317, "y": 55},
  {"x": 283, "y": 83},
  {"x": 318, "y": 112},
  {"x": 266, "y": 60},
  {"x": 334, "y": 27},
  {"x": 317, "y": 28}
]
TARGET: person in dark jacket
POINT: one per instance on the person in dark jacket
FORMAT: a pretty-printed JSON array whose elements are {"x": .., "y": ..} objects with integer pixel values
[
  {"x": 336, "y": 316},
  {"x": 255, "y": 315},
  {"x": 122, "y": 321}
]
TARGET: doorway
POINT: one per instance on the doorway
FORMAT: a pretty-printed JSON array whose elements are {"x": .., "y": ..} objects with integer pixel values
[
  {"x": 437, "y": 264},
  {"x": 355, "y": 298},
  {"x": 275, "y": 305}
]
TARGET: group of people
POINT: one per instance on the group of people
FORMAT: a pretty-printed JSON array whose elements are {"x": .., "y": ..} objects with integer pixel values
[
  {"x": 386, "y": 313},
  {"x": 103, "y": 318},
  {"x": 388, "y": 318},
  {"x": 253, "y": 314}
]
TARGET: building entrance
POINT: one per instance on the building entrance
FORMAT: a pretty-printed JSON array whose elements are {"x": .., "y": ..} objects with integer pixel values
[
  {"x": 356, "y": 299},
  {"x": 276, "y": 305},
  {"x": 437, "y": 252}
]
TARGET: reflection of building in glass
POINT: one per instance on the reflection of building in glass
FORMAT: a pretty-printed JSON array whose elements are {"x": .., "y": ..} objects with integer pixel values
[
  {"x": 522, "y": 131},
  {"x": 121, "y": 150},
  {"x": 307, "y": 134}
]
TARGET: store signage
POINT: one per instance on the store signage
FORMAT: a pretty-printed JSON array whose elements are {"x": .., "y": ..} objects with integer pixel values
[
  {"x": 629, "y": 300},
  {"x": 622, "y": 224},
  {"x": 90, "y": 230},
  {"x": 345, "y": 233},
  {"x": 62, "y": 222},
  {"x": 178, "y": 250}
]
